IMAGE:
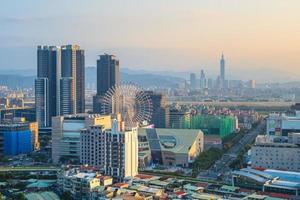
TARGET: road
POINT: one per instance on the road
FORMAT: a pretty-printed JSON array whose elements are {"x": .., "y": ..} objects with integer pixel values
[
  {"x": 29, "y": 169},
  {"x": 235, "y": 103},
  {"x": 222, "y": 165}
]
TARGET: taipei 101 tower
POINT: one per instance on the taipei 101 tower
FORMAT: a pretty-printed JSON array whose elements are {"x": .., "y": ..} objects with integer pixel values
[{"x": 222, "y": 70}]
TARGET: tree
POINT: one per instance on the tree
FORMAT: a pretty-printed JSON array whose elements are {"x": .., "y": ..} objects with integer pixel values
[
  {"x": 20, "y": 196},
  {"x": 1, "y": 196},
  {"x": 66, "y": 196}
]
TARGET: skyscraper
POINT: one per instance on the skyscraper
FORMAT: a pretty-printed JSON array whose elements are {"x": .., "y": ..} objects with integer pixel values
[
  {"x": 222, "y": 70},
  {"x": 108, "y": 75},
  {"x": 193, "y": 81},
  {"x": 72, "y": 81},
  {"x": 46, "y": 84},
  {"x": 202, "y": 80},
  {"x": 59, "y": 86}
]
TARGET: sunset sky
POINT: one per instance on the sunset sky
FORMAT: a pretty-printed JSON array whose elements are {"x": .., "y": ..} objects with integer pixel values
[{"x": 260, "y": 38}]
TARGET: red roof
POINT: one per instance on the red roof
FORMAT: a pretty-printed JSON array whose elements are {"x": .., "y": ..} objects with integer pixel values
[
  {"x": 180, "y": 193},
  {"x": 143, "y": 176},
  {"x": 201, "y": 184},
  {"x": 120, "y": 185}
]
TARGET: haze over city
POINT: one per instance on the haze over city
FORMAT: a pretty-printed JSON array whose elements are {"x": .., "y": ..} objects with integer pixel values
[
  {"x": 260, "y": 39},
  {"x": 149, "y": 100}
]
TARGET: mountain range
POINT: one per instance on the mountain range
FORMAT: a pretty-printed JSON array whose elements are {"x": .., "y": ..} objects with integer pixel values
[{"x": 25, "y": 78}]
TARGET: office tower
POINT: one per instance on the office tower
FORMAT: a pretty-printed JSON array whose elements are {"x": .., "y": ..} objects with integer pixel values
[
  {"x": 42, "y": 102},
  {"x": 222, "y": 70},
  {"x": 72, "y": 80},
  {"x": 193, "y": 81},
  {"x": 160, "y": 109},
  {"x": 202, "y": 80},
  {"x": 15, "y": 138},
  {"x": 66, "y": 135},
  {"x": 46, "y": 84},
  {"x": 59, "y": 86},
  {"x": 108, "y": 75},
  {"x": 113, "y": 150}
]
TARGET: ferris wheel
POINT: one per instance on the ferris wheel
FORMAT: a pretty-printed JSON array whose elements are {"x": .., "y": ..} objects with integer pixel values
[{"x": 129, "y": 100}]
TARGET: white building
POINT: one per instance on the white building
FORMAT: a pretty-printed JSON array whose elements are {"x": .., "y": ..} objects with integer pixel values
[
  {"x": 282, "y": 153},
  {"x": 115, "y": 151},
  {"x": 282, "y": 124},
  {"x": 66, "y": 135}
]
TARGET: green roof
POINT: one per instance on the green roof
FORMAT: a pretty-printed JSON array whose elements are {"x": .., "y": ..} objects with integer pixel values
[
  {"x": 42, "y": 196},
  {"x": 229, "y": 188},
  {"x": 159, "y": 183},
  {"x": 192, "y": 187},
  {"x": 273, "y": 198},
  {"x": 40, "y": 184}
]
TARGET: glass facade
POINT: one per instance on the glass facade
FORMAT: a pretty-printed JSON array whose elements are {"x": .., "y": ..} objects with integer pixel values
[
  {"x": 210, "y": 124},
  {"x": 17, "y": 142}
]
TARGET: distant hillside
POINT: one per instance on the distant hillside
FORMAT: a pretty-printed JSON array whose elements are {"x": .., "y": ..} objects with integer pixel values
[
  {"x": 19, "y": 78},
  {"x": 142, "y": 79},
  {"x": 17, "y": 81}
]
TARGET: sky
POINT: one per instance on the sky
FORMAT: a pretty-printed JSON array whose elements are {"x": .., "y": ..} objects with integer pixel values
[{"x": 259, "y": 38}]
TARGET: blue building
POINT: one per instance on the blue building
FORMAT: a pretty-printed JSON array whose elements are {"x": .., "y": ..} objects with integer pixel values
[{"x": 16, "y": 139}]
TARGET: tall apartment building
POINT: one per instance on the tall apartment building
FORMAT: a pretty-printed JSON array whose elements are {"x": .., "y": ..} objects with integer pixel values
[
  {"x": 280, "y": 153},
  {"x": 59, "y": 86},
  {"x": 66, "y": 135},
  {"x": 116, "y": 152},
  {"x": 108, "y": 75}
]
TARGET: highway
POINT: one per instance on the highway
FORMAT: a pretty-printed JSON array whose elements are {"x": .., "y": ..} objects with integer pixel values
[{"x": 222, "y": 165}]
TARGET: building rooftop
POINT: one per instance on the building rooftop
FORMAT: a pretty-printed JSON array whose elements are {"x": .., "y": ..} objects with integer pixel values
[
  {"x": 175, "y": 140},
  {"x": 285, "y": 175},
  {"x": 272, "y": 178},
  {"x": 42, "y": 196}
]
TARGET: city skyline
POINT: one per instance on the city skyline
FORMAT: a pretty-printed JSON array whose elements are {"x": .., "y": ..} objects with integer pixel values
[
  {"x": 149, "y": 100},
  {"x": 257, "y": 37}
]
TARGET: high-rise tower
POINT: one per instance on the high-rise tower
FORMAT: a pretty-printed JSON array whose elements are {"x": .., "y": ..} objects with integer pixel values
[
  {"x": 59, "y": 86},
  {"x": 222, "y": 69},
  {"x": 202, "y": 80},
  {"x": 72, "y": 80},
  {"x": 108, "y": 76},
  {"x": 193, "y": 81}
]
